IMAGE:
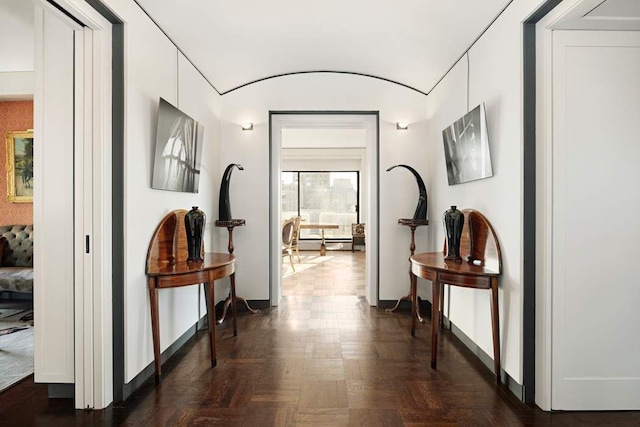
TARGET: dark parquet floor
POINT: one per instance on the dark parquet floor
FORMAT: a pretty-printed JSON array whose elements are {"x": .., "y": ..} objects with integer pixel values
[{"x": 316, "y": 360}]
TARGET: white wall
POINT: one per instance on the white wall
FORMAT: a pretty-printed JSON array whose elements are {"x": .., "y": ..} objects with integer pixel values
[
  {"x": 16, "y": 49},
  {"x": 154, "y": 68},
  {"x": 16, "y": 36},
  {"x": 323, "y": 92},
  {"x": 495, "y": 64}
]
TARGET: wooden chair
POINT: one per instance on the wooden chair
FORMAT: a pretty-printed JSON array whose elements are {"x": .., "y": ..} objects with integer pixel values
[
  {"x": 357, "y": 235},
  {"x": 296, "y": 236},
  {"x": 287, "y": 238}
]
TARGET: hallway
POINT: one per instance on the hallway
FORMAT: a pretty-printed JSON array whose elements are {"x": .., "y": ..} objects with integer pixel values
[{"x": 314, "y": 360}]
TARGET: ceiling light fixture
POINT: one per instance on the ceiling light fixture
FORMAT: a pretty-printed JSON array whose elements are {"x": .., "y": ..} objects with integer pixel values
[
  {"x": 247, "y": 126},
  {"x": 402, "y": 126}
]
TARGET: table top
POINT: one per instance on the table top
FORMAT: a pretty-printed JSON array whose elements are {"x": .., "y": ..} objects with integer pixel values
[
  {"x": 413, "y": 222},
  {"x": 435, "y": 261},
  {"x": 230, "y": 223},
  {"x": 309, "y": 226},
  {"x": 211, "y": 261}
]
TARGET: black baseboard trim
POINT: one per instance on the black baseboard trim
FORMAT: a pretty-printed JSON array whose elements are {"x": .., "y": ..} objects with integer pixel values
[
  {"x": 148, "y": 373},
  {"x": 61, "y": 391},
  {"x": 260, "y": 304}
]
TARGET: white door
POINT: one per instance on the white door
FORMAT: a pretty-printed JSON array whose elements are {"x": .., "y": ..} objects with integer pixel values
[
  {"x": 72, "y": 202},
  {"x": 53, "y": 207},
  {"x": 596, "y": 230}
]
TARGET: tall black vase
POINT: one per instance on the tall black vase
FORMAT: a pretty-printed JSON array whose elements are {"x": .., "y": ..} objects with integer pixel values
[
  {"x": 194, "y": 222},
  {"x": 453, "y": 222}
]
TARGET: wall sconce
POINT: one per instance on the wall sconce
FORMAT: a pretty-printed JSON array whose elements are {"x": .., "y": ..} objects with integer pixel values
[
  {"x": 402, "y": 126},
  {"x": 247, "y": 126}
]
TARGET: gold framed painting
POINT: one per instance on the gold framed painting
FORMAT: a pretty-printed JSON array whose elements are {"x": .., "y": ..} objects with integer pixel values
[{"x": 19, "y": 166}]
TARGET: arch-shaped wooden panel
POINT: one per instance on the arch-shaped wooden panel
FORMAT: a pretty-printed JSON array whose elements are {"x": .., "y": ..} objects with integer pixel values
[
  {"x": 169, "y": 241},
  {"x": 479, "y": 243}
]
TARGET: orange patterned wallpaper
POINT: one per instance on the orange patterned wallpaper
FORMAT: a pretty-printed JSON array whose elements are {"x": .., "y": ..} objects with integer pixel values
[{"x": 14, "y": 116}]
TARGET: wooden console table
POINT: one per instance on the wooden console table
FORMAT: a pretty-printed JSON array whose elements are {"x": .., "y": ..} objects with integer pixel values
[
  {"x": 412, "y": 224},
  {"x": 230, "y": 225},
  {"x": 321, "y": 227},
  {"x": 480, "y": 269},
  {"x": 167, "y": 267}
]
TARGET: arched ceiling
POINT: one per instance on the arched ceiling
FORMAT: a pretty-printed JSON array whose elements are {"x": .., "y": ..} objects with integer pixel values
[{"x": 236, "y": 42}]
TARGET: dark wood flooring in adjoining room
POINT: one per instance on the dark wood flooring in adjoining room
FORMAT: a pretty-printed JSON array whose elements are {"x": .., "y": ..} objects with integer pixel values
[{"x": 321, "y": 360}]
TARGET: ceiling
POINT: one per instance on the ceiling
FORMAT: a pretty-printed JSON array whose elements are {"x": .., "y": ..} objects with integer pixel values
[
  {"x": 616, "y": 15},
  {"x": 236, "y": 42}
]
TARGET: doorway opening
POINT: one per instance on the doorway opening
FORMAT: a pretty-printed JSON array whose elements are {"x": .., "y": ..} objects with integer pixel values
[
  {"x": 324, "y": 177},
  {"x": 325, "y": 208},
  {"x": 16, "y": 203}
]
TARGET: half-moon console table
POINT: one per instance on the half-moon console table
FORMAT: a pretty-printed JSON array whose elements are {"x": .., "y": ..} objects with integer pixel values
[
  {"x": 479, "y": 269},
  {"x": 167, "y": 267}
]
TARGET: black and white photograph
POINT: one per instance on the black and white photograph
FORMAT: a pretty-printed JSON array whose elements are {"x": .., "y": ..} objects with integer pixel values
[
  {"x": 466, "y": 148},
  {"x": 178, "y": 151}
]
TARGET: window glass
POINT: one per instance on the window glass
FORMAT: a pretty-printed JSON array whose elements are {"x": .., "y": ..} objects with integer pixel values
[
  {"x": 289, "y": 190},
  {"x": 323, "y": 198}
]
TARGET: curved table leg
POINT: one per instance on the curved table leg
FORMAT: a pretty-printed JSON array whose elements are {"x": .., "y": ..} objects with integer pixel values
[
  {"x": 408, "y": 298},
  {"x": 227, "y": 303}
]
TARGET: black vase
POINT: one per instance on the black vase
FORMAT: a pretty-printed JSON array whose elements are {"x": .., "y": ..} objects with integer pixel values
[
  {"x": 194, "y": 221},
  {"x": 453, "y": 222}
]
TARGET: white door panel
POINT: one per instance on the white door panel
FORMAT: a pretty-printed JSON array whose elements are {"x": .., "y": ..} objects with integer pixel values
[
  {"x": 53, "y": 201},
  {"x": 596, "y": 147}
]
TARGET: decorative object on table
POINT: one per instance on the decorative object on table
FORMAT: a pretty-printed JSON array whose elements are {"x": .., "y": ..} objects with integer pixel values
[
  {"x": 466, "y": 148},
  {"x": 194, "y": 222},
  {"x": 453, "y": 222},
  {"x": 421, "y": 208},
  {"x": 226, "y": 220},
  {"x": 178, "y": 151},
  {"x": 19, "y": 166},
  {"x": 224, "y": 207}
]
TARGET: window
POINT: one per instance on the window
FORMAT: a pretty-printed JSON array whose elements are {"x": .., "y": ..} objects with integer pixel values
[{"x": 322, "y": 198}]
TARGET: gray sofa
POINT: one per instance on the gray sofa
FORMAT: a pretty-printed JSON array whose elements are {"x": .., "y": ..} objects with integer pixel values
[{"x": 16, "y": 262}]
